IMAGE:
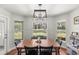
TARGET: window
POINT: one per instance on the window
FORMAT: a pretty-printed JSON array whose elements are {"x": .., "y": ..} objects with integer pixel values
[
  {"x": 39, "y": 23},
  {"x": 61, "y": 29},
  {"x": 18, "y": 34}
]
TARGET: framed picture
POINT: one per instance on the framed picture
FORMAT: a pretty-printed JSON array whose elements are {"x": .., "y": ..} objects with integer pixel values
[
  {"x": 75, "y": 33},
  {"x": 76, "y": 20}
]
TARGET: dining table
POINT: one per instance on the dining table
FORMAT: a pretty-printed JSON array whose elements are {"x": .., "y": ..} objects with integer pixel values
[{"x": 42, "y": 42}]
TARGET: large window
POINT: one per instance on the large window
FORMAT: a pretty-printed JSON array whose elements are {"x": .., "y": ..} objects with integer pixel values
[
  {"x": 61, "y": 29},
  {"x": 18, "y": 34},
  {"x": 39, "y": 23},
  {"x": 40, "y": 28}
]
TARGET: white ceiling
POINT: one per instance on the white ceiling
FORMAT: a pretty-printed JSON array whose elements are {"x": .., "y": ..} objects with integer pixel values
[{"x": 27, "y": 9}]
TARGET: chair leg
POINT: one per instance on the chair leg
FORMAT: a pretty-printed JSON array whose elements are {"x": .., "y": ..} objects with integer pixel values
[{"x": 19, "y": 51}]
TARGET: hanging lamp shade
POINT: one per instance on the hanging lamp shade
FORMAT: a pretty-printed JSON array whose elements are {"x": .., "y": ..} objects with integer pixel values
[{"x": 40, "y": 13}]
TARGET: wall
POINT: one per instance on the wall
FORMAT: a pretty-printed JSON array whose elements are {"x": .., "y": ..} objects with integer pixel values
[
  {"x": 51, "y": 28},
  {"x": 9, "y": 43},
  {"x": 28, "y": 27},
  {"x": 13, "y": 18},
  {"x": 66, "y": 17},
  {"x": 52, "y": 20},
  {"x": 75, "y": 27},
  {"x": 70, "y": 26}
]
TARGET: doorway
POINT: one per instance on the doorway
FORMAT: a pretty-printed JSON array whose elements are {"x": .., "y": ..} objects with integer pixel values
[{"x": 3, "y": 34}]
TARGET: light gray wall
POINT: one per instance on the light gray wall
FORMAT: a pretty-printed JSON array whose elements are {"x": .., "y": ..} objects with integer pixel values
[
  {"x": 65, "y": 17},
  {"x": 9, "y": 43},
  {"x": 51, "y": 28},
  {"x": 27, "y": 34},
  {"x": 13, "y": 18},
  {"x": 70, "y": 27},
  {"x": 74, "y": 27},
  {"x": 28, "y": 27}
]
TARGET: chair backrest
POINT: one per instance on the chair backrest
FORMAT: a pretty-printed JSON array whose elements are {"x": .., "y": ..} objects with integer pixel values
[
  {"x": 31, "y": 50},
  {"x": 46, "y": 50},
  {"x": 15, "y": 43},
  {"x": 61, "y": 43}
]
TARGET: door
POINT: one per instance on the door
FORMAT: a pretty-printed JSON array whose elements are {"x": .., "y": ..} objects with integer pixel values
[{"x": 3, "y": 34}]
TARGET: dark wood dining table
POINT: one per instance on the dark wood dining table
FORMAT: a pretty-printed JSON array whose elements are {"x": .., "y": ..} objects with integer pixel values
[{"x": 44, "y": 42}]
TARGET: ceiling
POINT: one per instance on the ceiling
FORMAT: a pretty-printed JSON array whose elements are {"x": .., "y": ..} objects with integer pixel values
[{"x": 27, "y": 9}]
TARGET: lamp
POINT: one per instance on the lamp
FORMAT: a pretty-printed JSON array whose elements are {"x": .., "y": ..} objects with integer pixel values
[
  {"x": 40, "y": 23},
  {"x": 40, "y": 13}
]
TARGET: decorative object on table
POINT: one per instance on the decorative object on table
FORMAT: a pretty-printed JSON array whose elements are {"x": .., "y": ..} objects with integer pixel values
[
  {"x": 76, "y": 20},
  {"x": 38, "y": 41}
]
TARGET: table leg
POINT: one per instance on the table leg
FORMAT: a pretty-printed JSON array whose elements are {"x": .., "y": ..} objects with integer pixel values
[
  {"x": 58, "y": 52},
  {"x": 19, "y": 51}
]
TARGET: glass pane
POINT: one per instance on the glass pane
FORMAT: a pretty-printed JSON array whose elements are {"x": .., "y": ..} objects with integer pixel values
[
  {"x": 18, "y": 30},
  {"x": 61, "y": 29},
  {"x": 39, "y": 28}
]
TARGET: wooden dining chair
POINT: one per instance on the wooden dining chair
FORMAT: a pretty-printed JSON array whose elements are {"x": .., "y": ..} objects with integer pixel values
[
  {"x": 19, "y": 50},
  {"x": 56, "y": 50},
  {"x": 46, "y": 50},
  {"x": 31, "y": 50}
]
